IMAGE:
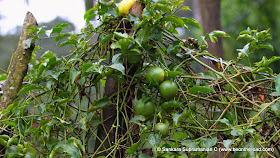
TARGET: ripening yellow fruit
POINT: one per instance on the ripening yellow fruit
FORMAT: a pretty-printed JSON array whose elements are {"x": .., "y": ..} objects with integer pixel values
[{"x": 124, "y": 7}]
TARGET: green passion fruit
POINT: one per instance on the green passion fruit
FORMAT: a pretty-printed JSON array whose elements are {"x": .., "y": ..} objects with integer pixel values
[
  {"x": 162, "y": 129},
  {"x": 155, "y": 73},
  {"x": 144, "y": 108},
  {"x": 168, "y": 89}
]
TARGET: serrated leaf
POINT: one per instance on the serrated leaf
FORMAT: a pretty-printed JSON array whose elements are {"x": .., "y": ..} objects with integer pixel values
[{"x": 201, "y": 89}]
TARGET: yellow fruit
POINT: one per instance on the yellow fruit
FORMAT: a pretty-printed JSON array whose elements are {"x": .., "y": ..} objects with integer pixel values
[{"x": 124, "y": 7}]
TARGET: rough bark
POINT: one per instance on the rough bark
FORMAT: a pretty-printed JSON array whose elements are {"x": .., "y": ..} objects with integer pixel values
[
  {"x": 210, "y": 10},
  {"x": 19, "y": 64},
  {"x": 109, "y": 113}
]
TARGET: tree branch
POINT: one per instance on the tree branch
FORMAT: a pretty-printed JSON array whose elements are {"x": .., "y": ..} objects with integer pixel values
[{"x": 19, "y": 64}]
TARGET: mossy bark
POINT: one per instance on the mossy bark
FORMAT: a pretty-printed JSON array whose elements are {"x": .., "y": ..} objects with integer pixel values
[{"x": 19, "y": 64}]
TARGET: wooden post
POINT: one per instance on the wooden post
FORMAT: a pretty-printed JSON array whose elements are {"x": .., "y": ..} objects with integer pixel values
[{"x": 19, "y": 64}]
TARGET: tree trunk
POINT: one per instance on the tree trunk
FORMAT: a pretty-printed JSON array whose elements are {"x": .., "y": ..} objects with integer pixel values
[
  {"x": 210, "y": 10},
  {"x": 107, "y": 134},
  {"x": 19, "y": 64},
  {"x": 88, "y": 4}
]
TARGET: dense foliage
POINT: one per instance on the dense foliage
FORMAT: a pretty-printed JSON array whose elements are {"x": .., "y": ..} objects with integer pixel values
[{"x": 227, "y": 107}]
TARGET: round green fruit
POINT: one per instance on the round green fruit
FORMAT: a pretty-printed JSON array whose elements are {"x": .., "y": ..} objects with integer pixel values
[
  {"x": 155, "y": 73},
  {"x": 168, "y": 89},
  {"x": 162, "y": 129},
  {"x": 145, "y": 109}
]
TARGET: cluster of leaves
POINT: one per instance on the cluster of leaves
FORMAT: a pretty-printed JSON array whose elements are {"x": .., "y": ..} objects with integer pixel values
[{"x": 59, "y": 111}]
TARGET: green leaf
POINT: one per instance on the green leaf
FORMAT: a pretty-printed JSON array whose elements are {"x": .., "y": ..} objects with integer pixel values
[
  {"x": 180, "y": 136},
  {"x": 134, "y": 147},
  {"x": 172, "y": 104},
  {"x": 137, "y": 118},
  {"x": 61, "y": 36},
  {"x": 277, "y": 84},
  {"x": 119, "y": 67},
  {"x": 162, "y": 7},
  {"x": 4, "y": 143},
  {"x": 83, "y": 123},
  {"x": 73, "y": 75},
  {"x": 266, "y": 46},
  {"x": 124, "y": 43},
  {"x": 3, "y": 77},
  {"x": 174, "y": 19},
  {"x": 28, "y": 88},
  {"x": 144, "y": 156},
  {"x": 244, "y": 50},
  {"x": 156, "y": 34},
  {"x": 275, "y": 107},
  {"x": 237, "y": 132},
  {"x": 245, "y": 36},
  {"x": 173, "y": 74},
  {"x": 154, "y": 140},
  {"x": 28, "y": 43},
  {"x": 227, "y": 143},
  {"x": 146, "y": 13},
  {"x": 186, "y": 8},
  {"x": 191, "y": 22},
  {"x": 121, "y": 35},
  {"x": 106, "y": 38},
  {"x": 100, "y": 104},
  {"x": 77, "y": 142},
  {"x": 115, "y": 45},
  {"x": 190, "y": 143},
  {"x": 218, "y": 33},
  {"x": 202, "y": 89},
  {"x": 143, "y": 34},
  {"x": 208, "y": 143},
  {"x": 176, "y": 118}
]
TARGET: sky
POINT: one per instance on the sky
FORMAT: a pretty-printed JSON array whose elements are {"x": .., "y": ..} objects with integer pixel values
[{"x": 13, "y": 12}]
